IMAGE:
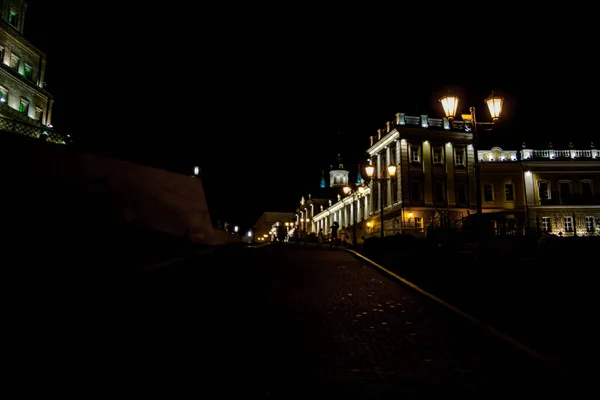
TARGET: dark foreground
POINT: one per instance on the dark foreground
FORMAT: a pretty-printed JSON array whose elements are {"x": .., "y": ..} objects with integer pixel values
[{"x": 278, "y": 322}]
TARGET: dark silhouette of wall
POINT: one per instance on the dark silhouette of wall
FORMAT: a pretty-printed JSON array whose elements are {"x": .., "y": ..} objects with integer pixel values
[{"x": 58, "y": 200}]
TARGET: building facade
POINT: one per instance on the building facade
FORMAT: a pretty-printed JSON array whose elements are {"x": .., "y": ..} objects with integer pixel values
[
  {"x": 25, "y": 104},
  {"x": 435, "y": 184}
]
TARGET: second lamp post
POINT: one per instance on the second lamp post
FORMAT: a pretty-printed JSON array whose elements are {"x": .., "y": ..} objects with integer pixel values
[
  {"x": 494, "y": 103},
  {"x": 391, "y": 170}
]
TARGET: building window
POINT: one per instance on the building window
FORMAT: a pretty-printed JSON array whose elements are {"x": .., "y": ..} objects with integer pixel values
[
  {"x": 415, "y": 193},
  {"x": 459, "y": 158},
  {"x": 546, "y": 224},
  {"x": 14, "y": 61},
  {"x": 568, "y": 224},
  {"x": 439, "y": 192},
  {"x": 24, "y": 106},
  {"x": 2, "y": 52},
  {"x": 544, "y": 190},
  {"x": 461, "y": 193},
  {"x": 564, "y": 191},
  {"x": 28, "y": 71},
  {"x": 3, "y": 94},
  {"x": 418, "y": 222},
  {"x": 13, "y": 17},
  {"x": 438, "y": 155},
  {"x": 39, "y": 114},
  {"x": 509, "y": 192},
  {"x": 587, "y": 191},
  {"x": 415, "y": 154},
  {"x": 488, "y": 192},
  {"x": 589, "y": 224}
]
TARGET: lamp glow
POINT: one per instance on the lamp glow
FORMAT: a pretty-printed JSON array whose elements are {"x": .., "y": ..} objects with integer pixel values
[
  {"x": 450, "y": 105},
  {"x": 391, "y": 170},
  {"x": 494, "y": 104}
]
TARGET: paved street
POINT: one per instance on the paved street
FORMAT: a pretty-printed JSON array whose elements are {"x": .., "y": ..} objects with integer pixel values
[{"x": 283, "y": 321}]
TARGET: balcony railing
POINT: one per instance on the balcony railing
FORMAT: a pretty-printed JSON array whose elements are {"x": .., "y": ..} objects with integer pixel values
[{"x": 36, "y": 132}]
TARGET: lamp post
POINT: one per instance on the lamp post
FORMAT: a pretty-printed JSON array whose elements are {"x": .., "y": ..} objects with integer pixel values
[
  {"x": 494, "y": 103},
  {"x": 370, "y": 170},
  {"x": 355, "y": 196}
]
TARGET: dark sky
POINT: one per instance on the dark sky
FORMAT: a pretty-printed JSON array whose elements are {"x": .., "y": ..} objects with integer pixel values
[{"x": 263, "y": 99}]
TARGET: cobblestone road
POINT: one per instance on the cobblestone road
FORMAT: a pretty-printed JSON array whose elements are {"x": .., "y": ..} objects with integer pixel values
[{"x": 287, "y": 322}]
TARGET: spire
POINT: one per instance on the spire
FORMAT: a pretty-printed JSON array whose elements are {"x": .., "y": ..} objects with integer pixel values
[
  {"x": 339, "y": 161},
  {"x": 322, "y": 179},
  {"x": 359, "y": 177}
]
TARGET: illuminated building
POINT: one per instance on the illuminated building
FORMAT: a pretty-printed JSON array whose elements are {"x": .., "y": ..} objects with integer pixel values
[
  {"x": 25, "y": 104},
  {"x": 435, "y": 185}
]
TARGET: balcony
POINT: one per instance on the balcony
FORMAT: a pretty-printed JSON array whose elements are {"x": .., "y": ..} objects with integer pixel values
[{"x": 36, "y": 132}]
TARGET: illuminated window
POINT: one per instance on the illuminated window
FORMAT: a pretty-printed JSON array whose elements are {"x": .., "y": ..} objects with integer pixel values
[
  {"x": 415, "y": 154},
  {"x": 488, "y": 192},
  {"x": 14, "y": 61},
  {"x": 28, "y": 71},
  {"x": 544, "y": 190},
  {"x": 459, "y": 157},
  {"x": 438, "y": 155},
  {"x": 13, "y": 17},
  {"x": 418, "y": 222},
  {"x": 509, "y": 192},
  {"x": 24, "y": 106},
  {"x": 589, "y": 223},
  {"x": 546, "y": 224},
  {"x": 3, "y": 94},
  {"x": 568, "y": 224}
]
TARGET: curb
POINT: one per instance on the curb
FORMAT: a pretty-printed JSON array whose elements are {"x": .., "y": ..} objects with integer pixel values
[{"x": 456, "y": 310}]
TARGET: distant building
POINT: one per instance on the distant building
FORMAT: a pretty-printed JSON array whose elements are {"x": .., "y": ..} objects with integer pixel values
[
  {"x": 264, "y": 227},
  {"x": 435, "y": 186},
  {"x": 25, "y": 104}
]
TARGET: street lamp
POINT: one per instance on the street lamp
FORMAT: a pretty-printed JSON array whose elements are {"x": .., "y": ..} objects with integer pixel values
[
  {"x": 370, "y": 170},
  {"x": 494, "y": 103},
  {"x": 355, "y": 196}
]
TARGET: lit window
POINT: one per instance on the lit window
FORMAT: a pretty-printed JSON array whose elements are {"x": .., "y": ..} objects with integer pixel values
[
  {"x": 589, "y": 223},
  {"x": 24, "y": 106},
  {"x": 28, "y": 71},
  {"x": 546, "y": 224},
  {"x": 460, "y": 157},
  {"x": 415, "y": 154},
  {"x": 13, "y": 17},
  {"x": 3, "y": 94},
  {"x": 569, "y": 224}
]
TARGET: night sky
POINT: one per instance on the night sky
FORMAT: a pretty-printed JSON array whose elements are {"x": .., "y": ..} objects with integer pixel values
[{"x": 263, "y": 99}]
